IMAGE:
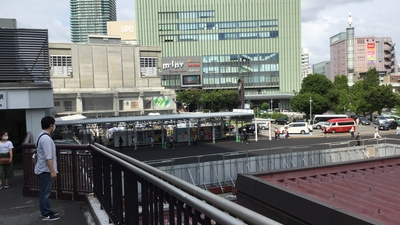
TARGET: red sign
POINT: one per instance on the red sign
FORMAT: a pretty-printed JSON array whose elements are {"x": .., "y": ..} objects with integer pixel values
[{"x": 194, "y": 65}]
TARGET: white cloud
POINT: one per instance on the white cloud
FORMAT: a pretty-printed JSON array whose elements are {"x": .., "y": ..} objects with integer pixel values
[{"x": 321, "y": 19}]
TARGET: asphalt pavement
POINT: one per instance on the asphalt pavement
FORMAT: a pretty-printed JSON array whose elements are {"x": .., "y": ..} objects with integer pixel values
[{"x": 229, "y": 145}]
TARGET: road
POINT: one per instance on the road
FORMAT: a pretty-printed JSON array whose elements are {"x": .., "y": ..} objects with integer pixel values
[{"x": 229, "y": 148}]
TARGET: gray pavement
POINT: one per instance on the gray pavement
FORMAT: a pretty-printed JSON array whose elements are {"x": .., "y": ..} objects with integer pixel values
[{"x": 18, "y": 210}]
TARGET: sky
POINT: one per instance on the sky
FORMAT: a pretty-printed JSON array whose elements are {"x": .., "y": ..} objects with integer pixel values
[{"x": 321, "y": 19}]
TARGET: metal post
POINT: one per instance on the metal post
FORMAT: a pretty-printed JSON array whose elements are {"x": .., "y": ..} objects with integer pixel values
[
  {"x": 188, "y": 125},
  {"x": 213, "y": 130},
  {"x": 310, "y": 109}
]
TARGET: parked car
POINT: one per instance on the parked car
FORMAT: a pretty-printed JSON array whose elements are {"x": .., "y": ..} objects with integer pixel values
[
  {"x": 264, "y": 126},
  {"x": 387, "y": 125},
  {"x": 364, "y": 121},
  {"x": 378, "y": 120},
  {"x": 281, "y": 121},
  {"x": 229, "y": 127},
  {"x": 319, "y": 125},
  {"x": 297, "y": 128},
  {"x": 250, "y": 128}
]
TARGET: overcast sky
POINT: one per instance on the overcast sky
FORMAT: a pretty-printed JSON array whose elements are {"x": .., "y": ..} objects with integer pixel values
[{"x": 321, "y": 19}]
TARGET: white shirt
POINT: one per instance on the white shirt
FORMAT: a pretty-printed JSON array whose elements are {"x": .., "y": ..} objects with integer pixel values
[
  {"x": 46, "y": 150},
  {"x": 5, "y": 147}
]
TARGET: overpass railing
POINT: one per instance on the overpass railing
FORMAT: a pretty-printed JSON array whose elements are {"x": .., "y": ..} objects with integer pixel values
[{"x": 132, "y": 192}]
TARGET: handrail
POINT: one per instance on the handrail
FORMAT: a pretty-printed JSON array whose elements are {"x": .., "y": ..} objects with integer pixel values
[
  {"x": 217, "y": 215},
  {"x": 248, "y": 216}
]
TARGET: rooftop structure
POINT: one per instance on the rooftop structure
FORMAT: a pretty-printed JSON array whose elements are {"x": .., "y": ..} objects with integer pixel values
[{"x": 361, "y": 192}]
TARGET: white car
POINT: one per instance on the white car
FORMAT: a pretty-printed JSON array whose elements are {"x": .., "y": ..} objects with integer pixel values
[
  {"x": 297, "y": 128},
  {"x": 264, "y": 126}
]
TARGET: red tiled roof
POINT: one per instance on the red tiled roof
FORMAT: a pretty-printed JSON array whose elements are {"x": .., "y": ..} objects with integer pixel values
[{"x": 370, "y": 189}]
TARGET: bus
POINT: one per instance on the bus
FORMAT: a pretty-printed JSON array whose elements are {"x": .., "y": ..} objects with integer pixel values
[{"x": 325, "y": 118}]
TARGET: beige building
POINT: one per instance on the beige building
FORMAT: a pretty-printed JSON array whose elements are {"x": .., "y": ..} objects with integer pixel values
[
  {"x": 126, "y": 30},
  {"x": 369, "y": 52},
  {"x": 106, "y": 80}
]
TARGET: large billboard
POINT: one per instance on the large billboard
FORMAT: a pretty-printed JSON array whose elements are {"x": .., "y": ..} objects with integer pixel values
[
  {"x": 161, "y": 102},
  {"x": 189, "y": 69},
  {"x": 371, "y": 55}
]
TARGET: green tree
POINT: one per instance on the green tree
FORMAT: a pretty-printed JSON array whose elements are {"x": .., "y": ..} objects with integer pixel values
[
  {"x": 220, "y": 99},
  {"x": 190, "y": 97},
  {"x": 368, "y": 96},
  {"x": 265, "y": 106},
  {"x": 322, "y": 92},
  {"x": 342, "y": 88}
]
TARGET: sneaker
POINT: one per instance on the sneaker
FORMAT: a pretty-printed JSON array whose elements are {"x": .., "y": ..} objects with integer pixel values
[
  {"x": 55, "y": 213},
  {"x": 50, "y": 217},
  {"x": 6, "y": 186}
]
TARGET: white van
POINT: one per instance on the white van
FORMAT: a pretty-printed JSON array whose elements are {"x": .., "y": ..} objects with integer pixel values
[{"x": 297, "y": 128}]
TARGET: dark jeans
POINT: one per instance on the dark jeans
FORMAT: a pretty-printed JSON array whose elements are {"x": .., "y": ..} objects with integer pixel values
[{"x": 45, "y": 182}]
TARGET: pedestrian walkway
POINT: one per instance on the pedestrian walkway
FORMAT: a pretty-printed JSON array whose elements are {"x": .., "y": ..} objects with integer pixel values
[{"x": 18, "y": 210}]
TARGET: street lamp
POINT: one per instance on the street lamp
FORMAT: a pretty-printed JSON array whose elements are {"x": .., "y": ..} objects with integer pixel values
[
  {"x": 271, "y": 105},
  {"x": 310, "y": 110}
]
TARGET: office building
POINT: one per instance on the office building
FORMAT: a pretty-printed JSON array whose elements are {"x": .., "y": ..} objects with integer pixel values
[
  {"x": 211, "y": 44},
  {"x": 90, "y": 17},
  {"x": 369, "y": 52},
  {"x": 322, "y": 68},
  {"x": 108, "y": 80},
  {"x": 305, "y": 63}
]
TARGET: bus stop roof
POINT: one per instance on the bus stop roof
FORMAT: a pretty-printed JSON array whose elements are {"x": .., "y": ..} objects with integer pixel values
[{"x": 245, "y": 114}]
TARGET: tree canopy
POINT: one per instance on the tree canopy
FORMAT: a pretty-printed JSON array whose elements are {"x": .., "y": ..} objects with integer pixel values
[
  {"x": 320, "y": 90},
  {"x": 366, "y": 96}
]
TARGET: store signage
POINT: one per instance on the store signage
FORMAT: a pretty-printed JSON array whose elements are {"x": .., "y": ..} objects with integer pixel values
[
  {"x": 127, "y": 29},
  {"x": 173, "y": 65},
  {"x": 3, "y": 100}
]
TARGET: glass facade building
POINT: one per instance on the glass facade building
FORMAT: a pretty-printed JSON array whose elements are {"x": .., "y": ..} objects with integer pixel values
[
  {"x": 258, "y": 41},
  {"x": 90, "y": 17}
]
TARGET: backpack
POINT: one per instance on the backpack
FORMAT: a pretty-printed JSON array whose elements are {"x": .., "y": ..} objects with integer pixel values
[{"x": 34, "y": 155}]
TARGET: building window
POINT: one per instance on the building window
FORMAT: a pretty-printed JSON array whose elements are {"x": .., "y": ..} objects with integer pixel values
[
  {"x": 148, "y": 66},
  {"x": 147, "y": 104},
  {"x": 134, "y": 105},
  {"x": 196, "y": 14},
  {"x": 61, "y": 65},
  {"x": 217, "y": 25},
  {"x": 68, "y": 106}
]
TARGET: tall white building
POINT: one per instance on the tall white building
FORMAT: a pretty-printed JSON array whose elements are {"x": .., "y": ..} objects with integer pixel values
[{"x": 305, "y": 63}]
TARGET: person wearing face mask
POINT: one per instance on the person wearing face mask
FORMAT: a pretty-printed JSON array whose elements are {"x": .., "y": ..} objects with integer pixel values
[
  {"x": 6, "y": 151},
  {"x": 46, "y": 167}
]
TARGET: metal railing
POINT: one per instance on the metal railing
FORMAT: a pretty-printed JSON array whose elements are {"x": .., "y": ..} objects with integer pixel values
[
  {"x": 132, "y": 192},
  {"x": 219, "y": 171},
  {"x": 74, "y": 178}
]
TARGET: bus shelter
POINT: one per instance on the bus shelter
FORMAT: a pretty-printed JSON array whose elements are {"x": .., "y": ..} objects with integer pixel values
[{"x": 138, "y": 130}]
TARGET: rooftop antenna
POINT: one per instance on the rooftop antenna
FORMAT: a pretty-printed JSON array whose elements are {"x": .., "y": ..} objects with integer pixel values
[{"x": 350, "y": 20}]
